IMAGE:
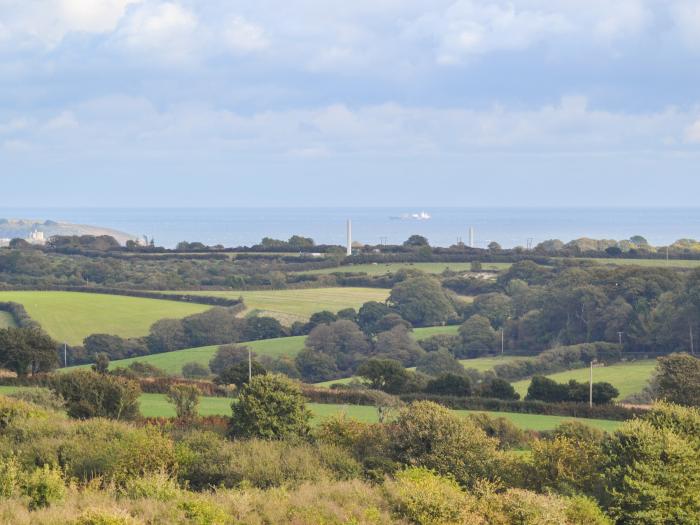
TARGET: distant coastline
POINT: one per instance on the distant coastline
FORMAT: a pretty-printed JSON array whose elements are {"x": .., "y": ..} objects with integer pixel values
[{"x": 11, "y": 228}]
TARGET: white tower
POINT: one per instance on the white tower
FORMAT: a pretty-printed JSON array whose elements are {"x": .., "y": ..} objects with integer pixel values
[
  {"x": 348, "y": 251},
  {"x": 471, "y": 237}
]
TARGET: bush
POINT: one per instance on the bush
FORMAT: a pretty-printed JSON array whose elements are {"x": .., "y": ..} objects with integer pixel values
[
  {"x": 270, "y": 407},
  {"x": 422, "y": 497},
  {"x": 41, "y": 397},
  {"x": 89, "y": 394},
  {"x": 449, "y": 385},
  {"x": 44, "y": 486},
  {"x": 159, "y": 486},
  {"x": 545, "y": 389},
  {"x": 13, "y": 410},
  {"x": 186, "y": 400},
  {"x": 194, "y": 371},
  {"x": 507, "y": 434},
  {"x": 9, "y": 477},
  {"x": 339, "y": 461},
  {"x": 202, "y": 512},
  {"x": 428, "y": 435},
  {"x": 104, "y": 517}
]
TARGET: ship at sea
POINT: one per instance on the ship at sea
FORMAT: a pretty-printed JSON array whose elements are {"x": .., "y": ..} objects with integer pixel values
[{"x": 420, "y": 216}]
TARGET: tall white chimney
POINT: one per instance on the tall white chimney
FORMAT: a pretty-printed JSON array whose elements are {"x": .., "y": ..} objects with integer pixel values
[
  {"x": 471, "y": 236},
  {"x": 348, "y": 251}
]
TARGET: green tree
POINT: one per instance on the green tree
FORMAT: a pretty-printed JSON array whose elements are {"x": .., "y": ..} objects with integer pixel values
[
  {"x": 369, "y": 315},
  {"x": 228, "y": 355},
  {"x": 89, "y": 394},
  {"x": 422, "y": 301},
  {"x": 428, "y": 435},
  {"x": 477, "y": 337},
  {"x": 398, "y": 344},
  {"x": 262, "y": 328},
  {"x": 439, "y": 363},
  {"x": 27, "y": 350},
  {"x": 166, "y": 335},
  {"x": 652, "y": 476},
  {"x": 450, "y": 385},
  {"x": 387, "y": 375},
  {"x": 270, "y": 407},
  {"x": 186, "y": 400},
  {"x": 216, "y": 326},
  {"x": 101, "y": 365},
  {"x": 341, "y": 340},
  {"x": 678, "y": 379},
  {"x": 496, "y": 307},
  {"x": 238, "y": 374},
  {"x": 194, "y": 370},
  {"x": 416, "y": 241}
]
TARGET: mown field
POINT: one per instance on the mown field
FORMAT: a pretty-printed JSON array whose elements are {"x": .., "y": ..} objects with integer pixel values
[
  {"x": 298, "y": 305},
  {"x": 6, "y": 320},
  {"x": 427, "y": 267},
  {"x": 661, "y": 263},
  {"x": 172, "y": 362},
  {"x": 628, "y": 378},
  {"x": 71, "y": 316},
  {"x": 155, "y": 405}
]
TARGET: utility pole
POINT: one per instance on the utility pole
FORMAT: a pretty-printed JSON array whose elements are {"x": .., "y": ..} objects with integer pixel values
[
  {"x": 65, "y": 355},
  {"x": 590, "y": 386},
  {"x": 250, "y": 365},
  {"x": 619, "y": 337}
]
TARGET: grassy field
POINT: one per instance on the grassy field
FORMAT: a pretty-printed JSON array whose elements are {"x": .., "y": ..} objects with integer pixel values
[
  {"x": 628, "y": 378},
  {"x": 71, "y": 316},
  {"x": 427, "y": 267},
  {"x": 298, "y": 305},
  {"x": 156, "y": 405},
  {"x": 6, "y": 320},
  {"x": 172, "y": 362}
]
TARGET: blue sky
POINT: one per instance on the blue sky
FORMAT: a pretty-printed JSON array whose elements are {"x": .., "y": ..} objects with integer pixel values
[{"x": 369, "y": 102}]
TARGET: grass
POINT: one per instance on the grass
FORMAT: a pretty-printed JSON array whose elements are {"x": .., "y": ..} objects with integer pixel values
[
  {"x": 628, "y": 378},
  {"x": 172, "y": 362},
  {"x": 298, "y": 305},
  {"x": 6, "y": 320},
  {"x": 156, "y": 405},
  {"x": 427, "y": 267},
  {"x": 484, "y": 364},
  {"x": 661, "y": 263},
  {"x": 71, "y": 316}
]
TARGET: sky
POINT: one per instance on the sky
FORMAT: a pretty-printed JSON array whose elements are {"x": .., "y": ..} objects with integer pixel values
[{"x": 354, "y": 103}]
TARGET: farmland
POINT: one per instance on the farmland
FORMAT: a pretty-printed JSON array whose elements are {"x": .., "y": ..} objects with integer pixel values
[
  {"x": 172, "y": 362},
  {"x": 427, "y": 267},
  {"x": 155, "y": 405},
  {"x": 72, "y": 316},
  {"x": 298, "y": 305},
  {"x": 628, "y": 378}
]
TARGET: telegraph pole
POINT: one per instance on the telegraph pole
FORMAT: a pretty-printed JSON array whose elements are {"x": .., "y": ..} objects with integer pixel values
[
  {"x": 65, "y": 354},
  {"x": 619, "y": 337},
  {"x": 590, "y": 386},
  {"x": 250, "y": 365}
]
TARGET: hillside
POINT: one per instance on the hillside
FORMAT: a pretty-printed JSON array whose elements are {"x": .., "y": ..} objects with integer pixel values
[{"x": 11, "y": 228}]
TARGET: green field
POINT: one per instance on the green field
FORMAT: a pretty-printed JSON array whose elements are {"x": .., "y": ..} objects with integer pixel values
[
  {"x": 155, "y": 405},
  {"x": 71, "y": 316},
  {"x": 298, "y": 305},
  {"x": 628, "y": 378},
  {"x": 661, "y": 263},
  {"x": 6, "y": 320},
  {"x": 427, "y": 267},
  {"x": 172, "y": 362},
  {"x": 483, "y": 364}
]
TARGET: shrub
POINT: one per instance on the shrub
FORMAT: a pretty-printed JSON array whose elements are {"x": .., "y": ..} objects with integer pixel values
[
  {"x": 339, "y": 461},
  {"x": 113, "y": 451},
  {"x": 227, "y": 356},
  {"x": 44, "y": 486},
  {"x": 505, "y": 431},
  {"x": 12, "y": 410},
  {"x": 41, "y": 397},
  {"x": 684, "y": 421},
  {"x": 652, "y": 476},
  {"x": 449, "y": 385},
  {"x": 428, "y": 435},
  {"x": 186, "y": 400},
  {"x": 89, "y": 394},
  {"x": 270, "y": 407},
  {"x": 159, "y": 486},
  {"x": 9, "y": 477},
  {"x": 194, "y": 371},
  {"x": 421, "y": 496},
  {"x": 202, "y": 512},
  {"x": 104, "y": 517}
]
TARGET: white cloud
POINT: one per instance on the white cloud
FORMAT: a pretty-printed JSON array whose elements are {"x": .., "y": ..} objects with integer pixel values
[
  {"x": 47, "y": 22},
  {"x": 686, "y": 15},
  {"x": 165, "y": 30},
  {"x": 243, "y": 36},
  {"x": 692, "y": 133}
]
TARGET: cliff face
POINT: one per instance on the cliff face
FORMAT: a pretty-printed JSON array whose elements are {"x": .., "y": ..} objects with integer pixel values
[{"x": 22, "y": 228}]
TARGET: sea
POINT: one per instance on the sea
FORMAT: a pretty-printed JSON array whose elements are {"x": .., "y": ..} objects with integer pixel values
[{"x": 509, "y": 227}]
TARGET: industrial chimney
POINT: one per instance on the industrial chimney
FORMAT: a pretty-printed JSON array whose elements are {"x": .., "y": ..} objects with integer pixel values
[{"x": 348, "y": 251}]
